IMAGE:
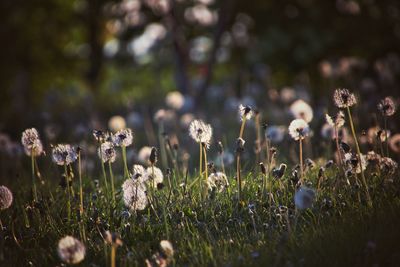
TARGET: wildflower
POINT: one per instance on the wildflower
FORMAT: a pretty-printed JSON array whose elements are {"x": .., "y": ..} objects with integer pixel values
[
  {"x": 107, "y": 152},
  {"x": 100, "y": 136},
  {"x": 64, "y": 154},
  {"x": 123, "y": 137},
  {"x": 175, "y": 100},
  {"x": 275, "y": 133},
  {"x": 139, "y": 172},
  {"x": 31, "y": 142},
  {"x": 218, "y": 181},
  {"x": 162, "y": 258},
  {"x": 155, "y": 177},
  {"x": 353, "y": 163},
  {"x": 387, "y": 107},
  {"x": 134, "y": 194},
  {"x": 200, "y": 132},
  {"x": 71, "y": 250},
  {"x": 6, "y": 198},
  {"x": 299, "y": 129},
  {"x": 245, "y": 112},
  {"x": 343, "y": 98},
  {"x": 301, "y": 110},
  {"x": 394, "y": 143},
  {"x": 116, "y": 123},
  {"x": 304, "y": 198},
  {"x": 388, "y": 166},
  {"x": 336, "y": 121}
]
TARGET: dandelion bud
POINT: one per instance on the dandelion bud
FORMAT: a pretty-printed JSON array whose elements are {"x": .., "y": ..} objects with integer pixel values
[
  {"x": 153, "y": 156},
  {"x": 263, "y": 169}
]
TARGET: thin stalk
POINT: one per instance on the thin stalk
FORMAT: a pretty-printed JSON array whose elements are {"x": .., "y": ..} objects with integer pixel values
[
  {"x": 301, "y": 160},
  {"x": 239, "y": 179},
  {"x": 205, "y": 168},
  {"x": 125, "y": 162},
  {"x": 242, "y": 126},
  {"x": 80, "y": 182},
  {"x": 222, "y": 162},
  {"x": 201, "y": 166},
  {"x": 113, "y": 252},
  {"x": 112, "y": 182},
  {"x": 68, "y": 193},
  {"x": 103, "y": 170},
  {"x": 359, "y": 156},
  {"x": 35, "y": 197}
]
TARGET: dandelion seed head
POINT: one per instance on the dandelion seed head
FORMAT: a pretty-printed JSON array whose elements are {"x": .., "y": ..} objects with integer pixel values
[
  {"x": 106, "y": 152},
  {"x": 116, "y": 123},
  {"x": 71, "y": 250},
  {"x": 387, "y": 107},
  {"x": 64, "y": 154},
  {"x": 343, "y": 98},
  {"x": 301, "y": 110},
  {"x": 123, "y": 137},
  {"x": 304, "y": 198},
  {"x": 218, "y": 181},
  {"x": 175, "y": 100},
  {"x": 245, "y": 112},
  {"x": 134, "y": 194},
  {"x": 31, "y": 141},
  {"x": 144, "y": 155},
  {"x": 164, "y": 115},
  {"x": 336, "y": 121},
  {"x": 299, "y": 129},
  {"x": 155, "y": 176},
  {"x": 388, "y": 166},
  {"x": 200, "y": 132},
  {"x": 6, "y": 197}
]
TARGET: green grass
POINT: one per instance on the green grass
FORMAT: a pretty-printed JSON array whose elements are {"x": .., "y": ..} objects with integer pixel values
[{"x": 216, "y": 231}]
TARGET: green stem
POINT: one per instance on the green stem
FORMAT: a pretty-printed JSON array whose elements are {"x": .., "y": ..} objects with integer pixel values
[
  {"x": 359, "y": 156},
  {"x": 103, "y": 170},
  {"x": 35, "y": 197},
  {"x": 242, "y": 126},
  {"x": 301, "y": 160},
  {"x": 80, "y": 182},
  {"x": 125, "y": 162},
  {"x": 112, "y": 182},
  {"x": 68, "y": 193},
  {"x": 239, "y": 179}
]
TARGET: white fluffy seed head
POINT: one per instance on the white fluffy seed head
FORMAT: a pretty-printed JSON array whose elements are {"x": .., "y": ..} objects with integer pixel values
[
  {"x": 71, "y": 250},
  {"x": 343, "y": 98},
  {"x": 116, "y": 123},
  {"x": 123, "y": 137},
  {"x": 134, "y": 194},
  {"x": 154, "y": 176},
  {"x": 299, "y": 129},
  {"x": 200, "y": 132},
  {"x": 218, "y": 181},
  {"x": 245, "y": 112},
  {"x": 106, "y": 152},
  {"x": 175, "y": 100},
  {"x": 64, "y": 154},
  {"x": 31, "y": 141},
  {"x": 301, "y": 110}
]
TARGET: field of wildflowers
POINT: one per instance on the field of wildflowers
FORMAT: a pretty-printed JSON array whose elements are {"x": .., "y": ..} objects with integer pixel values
[{"x": 243, "y": 192}]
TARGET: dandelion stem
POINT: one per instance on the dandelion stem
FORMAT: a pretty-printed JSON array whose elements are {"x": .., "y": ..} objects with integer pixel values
[
  {"x": 113, "y": 252},
  {"x": 359, "y": 156},
  {"x": 35, "y": 197},
  {"x": 103, "y": 169},
  {"x": 239, "y": 179},
  {"x": 125, "y": 162},
  {"x": 242, "y": 126},
  {"x": 112, "y": 181},
  {"x": 205, "y": 164},
  {"x": 301, "y": 159},
  {"x": 68, "y": 192},
  {"x": 80, "y": 182},
  {"x": 201, "y": 165}
]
